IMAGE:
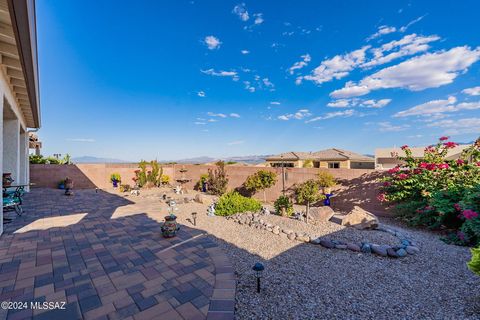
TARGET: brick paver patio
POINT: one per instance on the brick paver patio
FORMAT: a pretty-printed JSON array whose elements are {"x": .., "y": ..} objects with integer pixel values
[{"x": 70, "y": 249}]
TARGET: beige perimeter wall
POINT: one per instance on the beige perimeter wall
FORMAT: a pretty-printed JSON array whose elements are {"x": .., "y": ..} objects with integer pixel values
[{"x": 356, "y": 186}]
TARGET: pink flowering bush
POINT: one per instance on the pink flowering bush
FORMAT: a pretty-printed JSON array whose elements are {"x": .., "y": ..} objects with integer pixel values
[{"x": 437, "y": 192}]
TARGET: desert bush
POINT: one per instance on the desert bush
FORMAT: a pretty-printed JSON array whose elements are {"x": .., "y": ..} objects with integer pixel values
[
  {"x": 217, "y": 179},
  {"x": 232, "y": 202},
  {"x": 164, "y": 179},
  {"x": 115, "y": 177},
  {"x": 283, "y": 206},
  {"x": 124, "y": 188},
  {"x": 201, "y": 181},
  {"x": 308, "y": 163},
  {"x": 260, "y": 181},
  {"x": 474, "y": 264}
]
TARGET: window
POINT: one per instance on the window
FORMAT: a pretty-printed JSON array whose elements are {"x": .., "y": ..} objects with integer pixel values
[{"x": 334, "y": 165}]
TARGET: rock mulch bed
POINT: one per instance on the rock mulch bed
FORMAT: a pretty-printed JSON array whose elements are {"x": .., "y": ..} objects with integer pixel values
[{"x": 403, "y": 247}]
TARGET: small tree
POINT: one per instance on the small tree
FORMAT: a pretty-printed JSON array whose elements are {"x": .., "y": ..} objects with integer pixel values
[
  {"x": 217, "y": 179},
  {"x": 261, "y": 180},
  {"x": 308, "y": 163},
  {"x": 307, "y": 193},
  {"x": 474, "y": 264}
]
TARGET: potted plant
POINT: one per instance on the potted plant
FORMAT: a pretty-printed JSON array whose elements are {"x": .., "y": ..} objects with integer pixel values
[
  {"x": 283, "y": 206},
  {"x": 170, "y": 226},
  {"x": 7, "y": 179},
  {"x": 61, "y": 184},
  {"x": 115, "y": 179},
  {"x": 326, "y": 181}
]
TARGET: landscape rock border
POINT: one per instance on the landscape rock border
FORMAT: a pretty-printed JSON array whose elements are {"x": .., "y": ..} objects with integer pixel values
[{"x": 406, "y": 246}]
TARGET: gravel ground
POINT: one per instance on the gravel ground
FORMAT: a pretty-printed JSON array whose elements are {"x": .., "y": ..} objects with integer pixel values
[{"x": 304, "y": 281}]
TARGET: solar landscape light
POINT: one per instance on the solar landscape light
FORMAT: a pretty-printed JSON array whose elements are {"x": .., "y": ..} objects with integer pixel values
[
  {"x": 258, "y": 268},
  {"x": 194, "y": 217}
]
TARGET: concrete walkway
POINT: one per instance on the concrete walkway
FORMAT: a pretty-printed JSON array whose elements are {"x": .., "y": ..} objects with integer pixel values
[{"x": 104, "y": 257}]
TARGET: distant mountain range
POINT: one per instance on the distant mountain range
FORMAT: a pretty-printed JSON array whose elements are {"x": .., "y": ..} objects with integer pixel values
[{"x": 255, "y": 159}]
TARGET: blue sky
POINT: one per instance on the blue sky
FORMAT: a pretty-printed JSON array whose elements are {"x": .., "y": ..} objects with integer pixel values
[{"x": 179, "y": 79}]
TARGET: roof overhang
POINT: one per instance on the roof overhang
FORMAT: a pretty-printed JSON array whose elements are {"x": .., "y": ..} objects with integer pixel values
[{"x": 22, "y": 65}]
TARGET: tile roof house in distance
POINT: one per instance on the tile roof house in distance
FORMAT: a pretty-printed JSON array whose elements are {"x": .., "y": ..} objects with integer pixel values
[{"x": 330, "y": 158}]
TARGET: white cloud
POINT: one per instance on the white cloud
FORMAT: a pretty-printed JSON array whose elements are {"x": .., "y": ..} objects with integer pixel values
[
  {"x": 376, "y": 103},
  {"x": 475, "y": 91},
  {"x": 274, "y": 102},
  {"x": 200, "y": 123},
  {"x": 235, "y": 142},
  {"x": 458, "y": 126},
  {"x": 329, "y": 115},
  {"x": 404, "y": 28},
  {"x": 248, "y": 86},
  {"x": 430, "y": 70},
  {"x": 220, "y": 115},
  {"x": 241, "y": 12},
  {"x": 338, "y": 66},
  {"x": 258, "y": 18},
  {"x": 201, "y": 94},
  {"x": 299, "y": 115},
  {"x": 388, "y": 127},
  {"x": 409, "y": 45},
  {"x": 80, "y": 140},
  {"x": 212, "y": 42},
  {"x": 221, "y": 73},
  {"x": 382, "y": 30},
  {"x": 267, "y": 83},
  {"x": 436, "y": 107},
  {"x": 300, "y": 64},
  {"x": 212, "y": 120},
  {"x": 234, "y": 115},
  {"x": 245, "y": 52},
  {"x": 342, "y": 103}
]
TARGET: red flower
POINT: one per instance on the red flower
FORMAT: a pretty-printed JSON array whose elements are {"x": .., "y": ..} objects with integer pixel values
[
  {"x": 423, "y": 165},
  {"x": 469, "y": 214},
  {"x": 443, "y": 166},
  {"x": 457, "y": 207},
  {"x": 404, "y": 147},
  {"x": 417, "y": 171},
  {"x": 381, "y": 197},
  {"x": 460, "y": 161},
  {"x": 478, "y": 164},
  {"x": 402, "y": 176},
  {"x": 431, "y": 166},
  {"x": 387, "y": 184},
  {"x": 450, "y": 145},
  {"x": 443, "y": 138}
]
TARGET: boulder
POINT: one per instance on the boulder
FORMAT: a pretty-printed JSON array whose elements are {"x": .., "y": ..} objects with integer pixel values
[
  {"x": 291, "y": 236},
  {"x": 392, "y": 253},
  {"x": 353, "y": 247},
  {"x": 401, "y": 252},
  {"x": 201, "y": 198},
  {"x": 320, "y": 214},
  {"x": 315, "y": 241},
  {"x": 380, "y": 250},
  {"x": 327, "y": 244},
  {"x": 412, "y": 250},
  {"x": 360, "y": 219}
]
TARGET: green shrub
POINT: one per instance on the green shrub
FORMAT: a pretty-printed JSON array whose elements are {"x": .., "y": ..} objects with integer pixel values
[
  {"x": 34, "y": 159},
  {"x": 474, "y": 264},
  {"x": 326, "y": 179},
  {"x": 232, "y": 202},
  {"x": 201, "y": 181},
  {"x": 260, "y": 181},
  {"x": 308, "y": 163},
  {"x": 283, "y": 202},
  {"x": 115, "y": 177},
  {"x": 307, "y": 193}
]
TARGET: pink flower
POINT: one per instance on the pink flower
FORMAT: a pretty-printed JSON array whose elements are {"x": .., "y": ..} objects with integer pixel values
[
  {"x": 460, "y": 161},
  {"x": 431, "y": 166},
  {"x": 394, "y": 170},
  {"x": 387, "y": 184},
  {"x": 417, "y": 171},
  {"x": 402, "y": 176},
  {"x": 443, "y": 138},
  {"x": 469, "y": 214},
  {"x": 443, "y": 166},
  {"x": 450, "y": 145},
  {"x": 423, "y": 165},
  {"x": 381, "y": 197},
  {"x": 478, "y": 164},
  {"x": 457, "y": 207},
  {"x": 404, "y": 147},
  {"x": 428, "y": 208}
]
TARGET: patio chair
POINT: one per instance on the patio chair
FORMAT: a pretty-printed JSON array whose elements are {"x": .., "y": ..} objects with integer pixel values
[{"x": 12, "y": 199}]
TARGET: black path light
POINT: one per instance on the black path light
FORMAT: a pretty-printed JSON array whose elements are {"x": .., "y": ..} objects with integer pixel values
[
  {"x": 258, "y": 268},
  {"x": 194, "y": 217}
]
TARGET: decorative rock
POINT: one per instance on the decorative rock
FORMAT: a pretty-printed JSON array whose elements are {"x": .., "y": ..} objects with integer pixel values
[
  {"x": 341, "y": 246},
  {"x": 200, "y": 198},
  {"x": 380, "y": 250},
  {"x": 366, "y": 248},
  {"x": 405, "y": 242},
  {"x": 401, "y": 252},
  {"x": 315, "y": 241},
  {"x": 287, "y": 231},
  {"x": 327, "y": 243},
  {"x": 353, "y": 247},
  {"x": 320, "y": 214},
  {"x": 291, "y": 236},
  {"x": 304, "y": 237},
  {"x": 392, "y": 253},
  {"x": 360, "y": 219},
  {"x": 412, "y": 250}
]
